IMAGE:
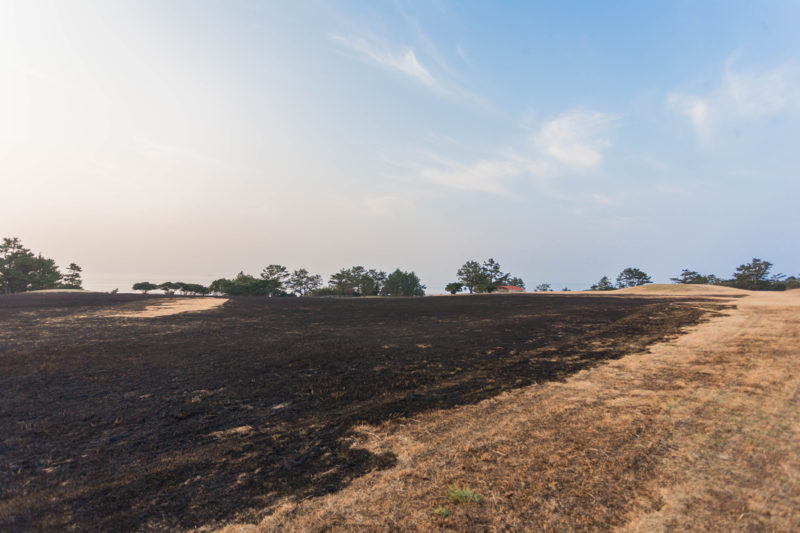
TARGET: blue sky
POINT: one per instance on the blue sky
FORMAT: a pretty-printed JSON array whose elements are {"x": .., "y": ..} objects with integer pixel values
[{"x": 191, "y": 140}]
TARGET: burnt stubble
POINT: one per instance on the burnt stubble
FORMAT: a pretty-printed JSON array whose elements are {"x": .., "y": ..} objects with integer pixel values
[{"x": 201, "y": 418}]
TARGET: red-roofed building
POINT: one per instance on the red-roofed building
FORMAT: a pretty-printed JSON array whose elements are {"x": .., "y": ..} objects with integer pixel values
[{"x": 509, "y": 288}]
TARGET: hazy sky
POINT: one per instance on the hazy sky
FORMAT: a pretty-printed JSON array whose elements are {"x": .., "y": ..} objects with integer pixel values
[{"x": 189, "y": 140}]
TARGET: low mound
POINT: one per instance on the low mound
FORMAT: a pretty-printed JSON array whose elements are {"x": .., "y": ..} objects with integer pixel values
[{"x": 683, "y": 288}]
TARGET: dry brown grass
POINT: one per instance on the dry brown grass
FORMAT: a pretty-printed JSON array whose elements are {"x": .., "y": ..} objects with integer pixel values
[
  {"x": 171, "y": 307},
  {"x": 699, "y": 433},
  {"x": 681, "y": 289}
]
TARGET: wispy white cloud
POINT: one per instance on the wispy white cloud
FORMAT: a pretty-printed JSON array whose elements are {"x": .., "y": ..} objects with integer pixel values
[
  {"x": 696, "y": 109},
  {"x": 741, "y": 94},
  {"x": 606, "y": 199},
  {"x": 757, "y": 93},
  {"x": 572, "y": 142},
  {"x": 576, "y": 139},
  {"x": 485, "y": 175}
]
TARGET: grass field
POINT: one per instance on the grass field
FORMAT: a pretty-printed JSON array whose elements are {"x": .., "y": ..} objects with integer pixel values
[
  {"x": 698, "y": 433},
  {"x": 541, "y": 411}
]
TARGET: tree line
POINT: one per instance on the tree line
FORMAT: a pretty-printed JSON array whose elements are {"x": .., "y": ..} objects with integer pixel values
[
  {"x": 754, "y": 276},
  {"x": 276, "y": 280},
  {"x": 21, "y": 270},
  {"x": 171, "y": 287},
  {"x": 629, "y": 277},
  {"x": 473, "y": 277}
]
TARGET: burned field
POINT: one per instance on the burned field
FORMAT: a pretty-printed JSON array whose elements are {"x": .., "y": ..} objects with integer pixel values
[{"x": 201, "y": 418}]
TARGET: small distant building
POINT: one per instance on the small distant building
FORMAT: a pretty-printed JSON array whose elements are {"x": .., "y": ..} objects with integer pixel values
[{"x": 504, "y": 289}]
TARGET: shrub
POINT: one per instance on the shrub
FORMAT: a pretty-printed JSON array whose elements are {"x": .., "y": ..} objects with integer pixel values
[
  {"x": 462, "y": 494},
  {"x": 441, "y": 511}
]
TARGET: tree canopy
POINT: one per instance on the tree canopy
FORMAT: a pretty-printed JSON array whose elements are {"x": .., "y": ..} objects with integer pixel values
[
  {"x": 400, "y": 283},
  {"x": 144, "y": 286},
  {"x": 690, "y": 277},
  {"x": 486, "y": 277},
  {"x": 753, "y": 275},
  {"x": 275, "y": 277},
  {"x": 603, "y": 285},
  {"x": 72, "y": 279},
  {"x": 302, "y": 283},
  {"x": 454, "y": 288},
  {"x": 358, "y": 281},
  {"x": 275, "y": 280},
  {"x": 632, "y": 277},
  {"x": 21, "y": 270}
]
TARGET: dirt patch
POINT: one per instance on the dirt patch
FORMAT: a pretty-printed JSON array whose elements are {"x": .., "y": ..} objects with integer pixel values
[
  {"x": 171, "y": 306},
  {"x": 699, "y": 433}
]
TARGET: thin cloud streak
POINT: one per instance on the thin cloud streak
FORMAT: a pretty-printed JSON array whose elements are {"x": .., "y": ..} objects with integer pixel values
[{"x": 401, "y": 59}]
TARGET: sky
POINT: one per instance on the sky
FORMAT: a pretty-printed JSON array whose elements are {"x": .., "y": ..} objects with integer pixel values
[{"x": 189, "y": 140}]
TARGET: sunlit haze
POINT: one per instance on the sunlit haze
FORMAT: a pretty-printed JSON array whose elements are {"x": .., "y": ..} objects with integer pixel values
[{"x": 191, "y": 140}]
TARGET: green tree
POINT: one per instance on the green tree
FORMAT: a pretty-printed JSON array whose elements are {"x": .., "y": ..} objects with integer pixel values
[
  {"x": 344, "y": 282},
  {"x": 485, "y": 277},
  {"x": 144, "y": 286},
  {"x": 371, "y": 282},
  {"x": 220, "y": 286},
  {"x": 247, "y": 285},
  {"x": 753, "y": 275},
  {"x": 72, "y": 279},
  {"x": 302, "y": 283},
  {"x": 181, "y": 287},
  {"x": 473, "y": 276},
  {"x": 241, "y": 285},
  {"x": 690, "y": 277},
  {"x": 169, "y": 287},
  {"x": 543, "y": 287},
  {"x": 358, "y": 281},
  {"x": 603, "y": 285},
  {"x": 454, "y": 287},
  {"x": 16, "y": 263},
  {"x": 195, "y": 288},
  {"x": 632, "y": 277},
  {"x": 21, "y": 270},
  {"x": 43, "y": 274},
  {"x": 274, "y": 277},
  {"x": 400, "y": 283},
  {"x": 516, "y": 282},
  {"x": 491, "y": 269}
]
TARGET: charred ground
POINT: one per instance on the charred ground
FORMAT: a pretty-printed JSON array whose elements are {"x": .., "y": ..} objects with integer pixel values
[{"x": 184, "y": 420}]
